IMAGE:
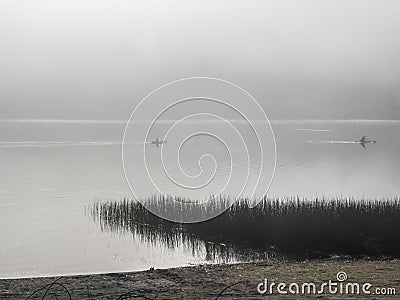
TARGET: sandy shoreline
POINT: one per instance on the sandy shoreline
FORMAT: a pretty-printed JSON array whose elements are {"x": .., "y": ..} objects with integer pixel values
[{"x": 204, "y": 282}]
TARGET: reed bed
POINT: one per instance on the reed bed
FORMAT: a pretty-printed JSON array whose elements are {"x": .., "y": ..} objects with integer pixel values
[{"x": 291, "y": 226}]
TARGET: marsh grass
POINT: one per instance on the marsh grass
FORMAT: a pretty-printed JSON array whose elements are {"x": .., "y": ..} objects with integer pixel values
[{"x": 292, "y": 226}]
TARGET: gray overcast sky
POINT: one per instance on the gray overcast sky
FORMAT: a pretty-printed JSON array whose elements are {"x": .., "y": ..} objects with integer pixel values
[{"x": 301, "y": 59}]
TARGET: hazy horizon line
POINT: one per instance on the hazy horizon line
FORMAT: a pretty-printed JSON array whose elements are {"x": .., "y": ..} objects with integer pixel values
[{"x": 111, "y": 121}]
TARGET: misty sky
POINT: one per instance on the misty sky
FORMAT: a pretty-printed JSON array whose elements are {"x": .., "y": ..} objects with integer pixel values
[{"x": 301, "y": 59}]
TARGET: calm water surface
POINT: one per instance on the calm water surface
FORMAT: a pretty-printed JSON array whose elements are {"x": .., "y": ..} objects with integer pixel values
[{"x": 51, "y": 171}]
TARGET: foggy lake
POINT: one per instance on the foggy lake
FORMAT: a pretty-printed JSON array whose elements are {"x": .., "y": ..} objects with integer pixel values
[{"x": 53, "y": 170}]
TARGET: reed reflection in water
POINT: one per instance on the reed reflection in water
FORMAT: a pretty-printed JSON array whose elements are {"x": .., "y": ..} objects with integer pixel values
[
  {"x": 274, "y": 229},
  {"x": 131, "y": 217}
]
